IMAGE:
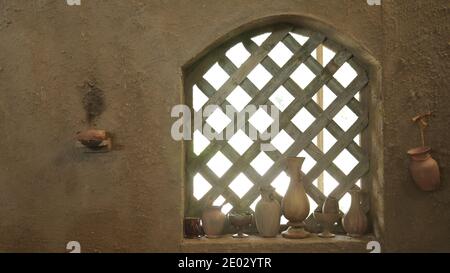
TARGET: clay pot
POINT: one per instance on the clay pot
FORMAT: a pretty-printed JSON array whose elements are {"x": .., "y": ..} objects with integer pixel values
[
  {"x": 295, "y": 204},
  {"x": 327, "y": 221},
  {"x": 355, "y": 221},
  {"x": 240, "y": 221},
  {"x": 267, "y": 215},
  {"x": 192, "y": 227},
  {"x": 91, "y": 138},
  {"x": 213, "y": 221},
  {"x": 424, "y": 169}
]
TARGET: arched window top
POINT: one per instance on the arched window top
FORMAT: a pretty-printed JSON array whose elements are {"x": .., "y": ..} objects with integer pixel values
[
  {"x": 314, "y": 84},
  {"x": 295, "y": 35}
]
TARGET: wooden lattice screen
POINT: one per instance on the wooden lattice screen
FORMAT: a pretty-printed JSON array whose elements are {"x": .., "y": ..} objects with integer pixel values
[{"x": 238, "y": 77}]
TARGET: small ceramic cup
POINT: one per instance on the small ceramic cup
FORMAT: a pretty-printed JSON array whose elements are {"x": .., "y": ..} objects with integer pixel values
[{"x": 192, "y": 227}]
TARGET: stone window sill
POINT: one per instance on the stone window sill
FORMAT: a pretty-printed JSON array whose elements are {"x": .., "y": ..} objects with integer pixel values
[{"x": 313, "y": 244}]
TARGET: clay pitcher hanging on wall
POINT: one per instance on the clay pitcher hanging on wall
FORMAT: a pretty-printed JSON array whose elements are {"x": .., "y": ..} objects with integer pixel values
[{"x": 423, "y": 168}]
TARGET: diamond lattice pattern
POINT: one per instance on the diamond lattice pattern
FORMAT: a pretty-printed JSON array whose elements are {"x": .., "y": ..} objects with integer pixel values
[{"x": 280, "y": 69}]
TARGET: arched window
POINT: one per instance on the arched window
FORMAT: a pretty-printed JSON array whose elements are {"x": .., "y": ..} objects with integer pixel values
[{"x": 308, "y": 85}]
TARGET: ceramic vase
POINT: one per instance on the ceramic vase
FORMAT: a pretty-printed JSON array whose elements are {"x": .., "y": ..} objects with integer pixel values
[
  {"x": 355, "y": 221},
  {"x": 240, "y": 221},
  {"x": 331, "y": 205},
  {"x": 424, "y": 169},
  {"x": 326, "y": 220},
  {"x": 213, "y": 221},
  {"x": 268, "y": 215},
  {"x": 295, "y": 204},
  {"x": 329, "y": 215}
]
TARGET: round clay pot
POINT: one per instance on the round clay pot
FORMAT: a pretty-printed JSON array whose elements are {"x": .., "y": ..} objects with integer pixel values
[
  {"x": 424, "y": 169},
  {"x": 213, "y": 221},
  {"x": 331, "y": 205},
  {"x": 240, "y": 221},
  {"x": 327, "y": 221},
  {"x": 91, "y": 138}
]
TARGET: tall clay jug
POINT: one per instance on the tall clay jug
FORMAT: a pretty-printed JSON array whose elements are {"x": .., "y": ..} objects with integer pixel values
[
  {"x": 355, "y": 221},
  {"x": 268, "y": 214},
  {"x": 295, "y": 204}
]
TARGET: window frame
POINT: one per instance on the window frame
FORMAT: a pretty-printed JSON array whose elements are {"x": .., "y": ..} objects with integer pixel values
[{"x": 198, "y": 69}]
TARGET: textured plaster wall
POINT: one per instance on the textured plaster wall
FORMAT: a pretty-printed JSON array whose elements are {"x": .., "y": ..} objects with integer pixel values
[
  {"x": 132, "y": 199},
  {"x": 415, "y": 79}
]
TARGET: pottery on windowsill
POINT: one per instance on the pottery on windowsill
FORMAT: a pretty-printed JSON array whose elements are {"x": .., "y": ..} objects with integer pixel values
[
  {"x": 268, "y": 214},
  {"x": 239, "y": 221},
  {"x": 328, "y": 216},
  {"x": 213, "y": 221},
  {"x": 192, "y": 227},
  {"x": 331, "y": 205},
  {"x": 295, "y": 204}
]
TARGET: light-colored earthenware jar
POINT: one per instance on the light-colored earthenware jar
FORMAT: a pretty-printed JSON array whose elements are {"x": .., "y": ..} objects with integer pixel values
[
  {"x": 268, "y": 214},
  {"x": 213, "y": 221}
]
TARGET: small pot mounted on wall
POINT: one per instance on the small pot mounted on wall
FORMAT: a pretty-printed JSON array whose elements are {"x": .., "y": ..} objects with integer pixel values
[
  {"x": 423, "y": 168},
  {"x": 93, "y": 140}
]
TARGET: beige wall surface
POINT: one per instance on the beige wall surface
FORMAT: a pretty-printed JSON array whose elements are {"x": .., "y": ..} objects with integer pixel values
[{"x": 131, "y": 200}]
